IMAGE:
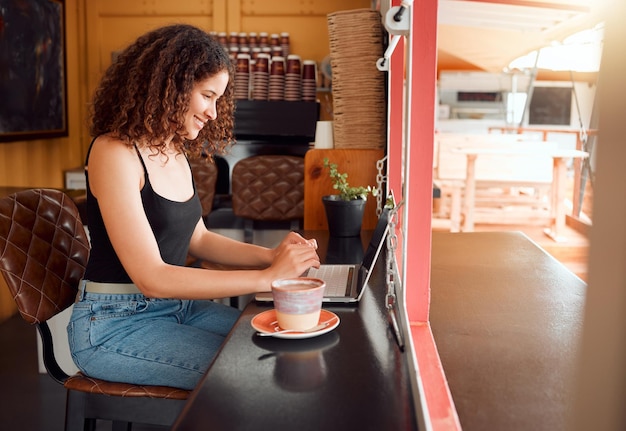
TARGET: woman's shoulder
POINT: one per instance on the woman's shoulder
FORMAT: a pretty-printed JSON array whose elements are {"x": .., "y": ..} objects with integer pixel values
[
  {"x": 107, "y": 146},
  {"x": 112, "y": 156},
  {"x": 110, "y": 141}
]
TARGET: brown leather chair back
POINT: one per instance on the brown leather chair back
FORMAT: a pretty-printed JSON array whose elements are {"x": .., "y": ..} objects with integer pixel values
[
  {"x": 43, "y": 254},
  {"x": 43, "y": 251},
  {"x": 205, "y": 177},
  {"x": 269, "y": 187}
]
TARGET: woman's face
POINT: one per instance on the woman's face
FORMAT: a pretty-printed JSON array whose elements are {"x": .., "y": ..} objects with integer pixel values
[{"x": 202, "y": 107}]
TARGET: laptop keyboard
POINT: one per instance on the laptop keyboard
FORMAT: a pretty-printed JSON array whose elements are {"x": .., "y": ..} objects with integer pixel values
[{"x": 335, "y": 276}]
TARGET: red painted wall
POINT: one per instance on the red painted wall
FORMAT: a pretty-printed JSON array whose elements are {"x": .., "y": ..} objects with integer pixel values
[{"x": 416, "y": 61}]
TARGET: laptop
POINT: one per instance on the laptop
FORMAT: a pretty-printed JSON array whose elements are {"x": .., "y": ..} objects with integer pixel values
[{"x": 345, "y": 283}]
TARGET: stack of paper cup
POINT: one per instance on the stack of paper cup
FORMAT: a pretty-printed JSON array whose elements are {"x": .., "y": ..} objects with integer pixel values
[
  {"x": 242, "y": 39},
  {"x": 254, "y": 53},
  {"x": 242, "y": 77},
  {"x": 261, "y": 77},
  {"x": 253, "y": 39},
  {"x": 285, "y": 43},
  {"x": 277, "y": 79},
  {"x": 222, "y": 37},
  {"x": 232, "y": 53},
  {"x": 293, "y": 79},
  {"x": 264, "y": 40},
  {"x": 309, "y": 81},
  {"x": 233, "y": 39}
]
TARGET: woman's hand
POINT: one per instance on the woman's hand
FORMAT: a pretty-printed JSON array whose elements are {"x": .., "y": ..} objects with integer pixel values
[{"x": 293, "y": 256}]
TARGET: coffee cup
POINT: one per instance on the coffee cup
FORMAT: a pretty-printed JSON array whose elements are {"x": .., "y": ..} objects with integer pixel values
[
  {"x": 243, "y": 63},
  {"x": 294, "y": 65},
  {"x": 277, "y": 66},
  {"x": 298, "y": 302},
  {"x": 262, "y": 63}
]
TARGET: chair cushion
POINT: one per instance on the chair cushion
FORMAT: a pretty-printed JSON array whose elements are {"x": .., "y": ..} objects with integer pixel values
[{"x": 82, "y": 383}]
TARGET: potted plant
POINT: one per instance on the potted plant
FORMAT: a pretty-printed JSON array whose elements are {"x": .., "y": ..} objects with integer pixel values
[{"x": 344, "y": 210}]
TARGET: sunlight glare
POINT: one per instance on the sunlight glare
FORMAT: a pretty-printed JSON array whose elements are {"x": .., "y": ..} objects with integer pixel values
[{"x": 579, "y": 52}]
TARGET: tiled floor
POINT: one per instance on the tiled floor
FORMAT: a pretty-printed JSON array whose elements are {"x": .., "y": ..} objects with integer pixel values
[{"x": 31, "y": 401}]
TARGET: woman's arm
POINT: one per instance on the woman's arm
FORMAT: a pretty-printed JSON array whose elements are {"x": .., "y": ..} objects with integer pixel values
[
  {"x": 116, "y": 178},
  {"x": 216, "y": 248}
]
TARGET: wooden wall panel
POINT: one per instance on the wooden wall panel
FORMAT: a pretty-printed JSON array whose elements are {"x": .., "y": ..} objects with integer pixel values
[
  {"x": 299, "y": 7},
  {"x": 33, "y": 163},
  {"x": 304, "y": 20},
  {"x": 115, "y": 33},
  {"x": 359, "y": 164},
  {"x": 153, "y": 7},
  {"x": 308, "y": 35},
  {"x": 95, "y": 28},
  {"x": 41, "y": 163},
  {"x": 113, "y": 24}
]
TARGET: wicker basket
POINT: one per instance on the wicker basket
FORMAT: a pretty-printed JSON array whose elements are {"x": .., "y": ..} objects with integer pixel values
[{"x": 359, "y": 103}]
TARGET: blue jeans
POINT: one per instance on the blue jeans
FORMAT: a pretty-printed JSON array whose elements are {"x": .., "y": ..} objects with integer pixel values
[{"x": 133, "y": 339}]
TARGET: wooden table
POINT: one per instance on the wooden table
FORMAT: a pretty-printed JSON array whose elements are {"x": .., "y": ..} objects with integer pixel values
[
  {"x": 507, "y": 319},
  {"x": 541, "y": 149}
]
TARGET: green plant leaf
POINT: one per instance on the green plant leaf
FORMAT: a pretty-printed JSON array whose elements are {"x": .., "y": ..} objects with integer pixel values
[{"x": 340, "y": 183}]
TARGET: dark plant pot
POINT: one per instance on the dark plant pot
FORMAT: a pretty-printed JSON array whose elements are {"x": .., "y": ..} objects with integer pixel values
[{"x": 344, "y": 217}]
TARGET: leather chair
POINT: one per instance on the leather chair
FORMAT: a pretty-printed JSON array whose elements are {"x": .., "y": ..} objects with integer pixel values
[
  {"x": 268, "y": 188},
  {"x": 43, "y": 253},
  {"x": 205, "y": 177}
]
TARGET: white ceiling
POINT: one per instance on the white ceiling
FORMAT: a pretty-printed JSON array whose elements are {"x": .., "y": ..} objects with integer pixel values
[{"x": 489, "y": 34}]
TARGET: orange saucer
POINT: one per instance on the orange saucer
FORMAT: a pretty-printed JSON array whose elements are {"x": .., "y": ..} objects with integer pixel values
[{"x": 266, "y": 322}]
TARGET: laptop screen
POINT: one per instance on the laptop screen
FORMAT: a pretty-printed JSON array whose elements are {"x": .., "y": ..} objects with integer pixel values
[{"x": 377, "y": 237}]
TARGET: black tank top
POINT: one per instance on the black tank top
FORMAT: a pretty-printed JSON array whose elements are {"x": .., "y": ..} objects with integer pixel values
[{"x": 172, "y": 224}]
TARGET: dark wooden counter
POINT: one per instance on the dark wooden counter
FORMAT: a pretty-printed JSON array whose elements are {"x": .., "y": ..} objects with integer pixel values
[
  {"x": 354, "y": 377},
  {"x": 506, "y": 318}
]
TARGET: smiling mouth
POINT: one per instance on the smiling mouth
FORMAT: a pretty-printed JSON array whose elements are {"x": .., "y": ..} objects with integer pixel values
[{"x": 200, "y": 122}]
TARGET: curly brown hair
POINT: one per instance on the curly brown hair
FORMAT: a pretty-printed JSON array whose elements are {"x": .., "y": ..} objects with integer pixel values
[{"x": 145, "y": 94}]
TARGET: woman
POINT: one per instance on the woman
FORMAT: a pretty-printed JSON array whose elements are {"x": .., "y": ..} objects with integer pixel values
[{"x": 142, "y": 316}]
